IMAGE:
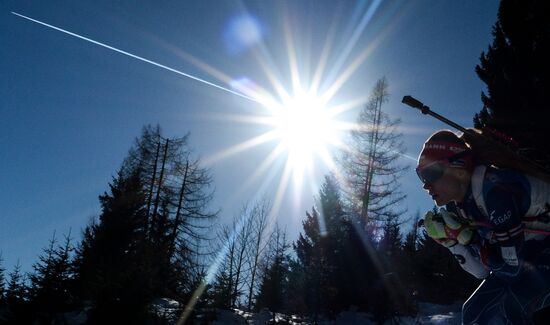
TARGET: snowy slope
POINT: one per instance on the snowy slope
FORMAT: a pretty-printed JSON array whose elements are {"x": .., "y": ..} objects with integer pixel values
[{"x": 428, "y": 314}]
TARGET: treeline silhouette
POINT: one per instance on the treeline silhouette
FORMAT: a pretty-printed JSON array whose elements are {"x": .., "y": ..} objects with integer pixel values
[
  {"x": 156, "y": 255},
  {"x": 143, "y": 246},
  {"x": 130, "y": 257}
]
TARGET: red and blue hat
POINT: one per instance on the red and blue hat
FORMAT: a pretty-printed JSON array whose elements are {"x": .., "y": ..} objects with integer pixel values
[{"x": 445, "y": 145}]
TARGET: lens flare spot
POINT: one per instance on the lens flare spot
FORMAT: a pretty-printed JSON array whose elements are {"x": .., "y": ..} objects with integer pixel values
[
  {"x": 244, "y": 85},
  {"x": 241, "y": 33}
]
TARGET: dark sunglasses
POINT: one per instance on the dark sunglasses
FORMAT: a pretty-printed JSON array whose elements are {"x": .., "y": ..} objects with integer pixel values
[
  {"x": 435, "y": 170},
  {"x": 432, "y": 172}
]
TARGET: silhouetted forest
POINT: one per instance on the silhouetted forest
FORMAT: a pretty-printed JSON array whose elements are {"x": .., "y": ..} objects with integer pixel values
[
  {"x": 156, "y": 254},
  {"x": 157, "y": 241}
]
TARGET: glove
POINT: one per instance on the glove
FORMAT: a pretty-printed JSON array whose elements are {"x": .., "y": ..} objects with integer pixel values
[
  {"x": 435, "y": 228},
  {"x": 455, "y": 228},
  {"x": 446, "y": 229}
]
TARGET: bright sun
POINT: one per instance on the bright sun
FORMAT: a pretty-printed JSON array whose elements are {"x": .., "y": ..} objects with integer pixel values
[{"x": 305, "y": 129}]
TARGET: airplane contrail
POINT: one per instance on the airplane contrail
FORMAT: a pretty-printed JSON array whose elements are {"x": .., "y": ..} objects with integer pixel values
[{"x": 136, "y": 57}]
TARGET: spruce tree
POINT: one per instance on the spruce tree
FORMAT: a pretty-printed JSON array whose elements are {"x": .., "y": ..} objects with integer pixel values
[
  {"x": 222, "y": 291},
  {"x": 111, "y": 271},
  {"x": 295, "y": 302},
  {"x": 51, "y": 290},
  {"x": 516, "y": 70},
  {"x": 199, "y": 306},
  {"x": 390, "y": 243},
  {"x": 408, "y": 264},
  {"x": 17, "y": 311},
  {"x": 2, "y": 281},
  {"x": 335, "y": 257},
  {"x": 16, "y": 291},
  {"x": 310, "y": 250},
  {"x": 395, "y": 296},
  {"x": 440, "y": 277},
  {"x": 334, "y": 234},
  {"x": 274, "y": 284}
]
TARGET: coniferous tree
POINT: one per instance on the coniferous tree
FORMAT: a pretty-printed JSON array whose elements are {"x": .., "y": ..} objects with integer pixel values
[
  {"x": 16, "y": 298},
  {"x": 335, "y": 257},
  {"x": 222, "y": 291},
  {"x": 359, "y": 266},
  {"x": 516, "y": 70},
  {"x": 310, "y": 250},
  {"x": 372, "y": 195},
  {"x": 390, "y": 243},
  {"x": 2, "y": 281},
  {"x": 408, "y": 265},
  {"x": 274, "y": 284},
  {"x": 16, "y": 291},
  {"x": 272, "y": 288},
  {"x": 295, "y": 302},
  {"x": 152, "y": 218},
  {"x": 203, "y": 306},
  {"x": 371, "y": 163},
  {"x": 111, "y": 271},
  {"x": 410, "y": 246},
  {"x": 3, "y": 307},
  {"x": 440, "y": 277},
  {"x": 335, "y": 233},
  {"x": 395, "y": 298},
  {"x": 51, "y": 290},
  {"x": 190, "y": 265}
]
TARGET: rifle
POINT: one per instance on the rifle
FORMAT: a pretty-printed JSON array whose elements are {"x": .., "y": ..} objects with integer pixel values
[
  {"x": 491, "y": 152},
  {"x": 490, "y": 147}
]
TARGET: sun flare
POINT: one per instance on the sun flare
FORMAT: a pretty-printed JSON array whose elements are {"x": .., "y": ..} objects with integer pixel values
[
  {"x": 301, "y": 113},
  {"x": 304, "y": 128}
]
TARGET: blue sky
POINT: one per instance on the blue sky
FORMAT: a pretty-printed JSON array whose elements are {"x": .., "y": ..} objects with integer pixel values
[{"x": 71, "y": 109}]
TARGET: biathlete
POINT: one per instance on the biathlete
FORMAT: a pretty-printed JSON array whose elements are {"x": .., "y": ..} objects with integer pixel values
[{"x": 495, "y": 221}]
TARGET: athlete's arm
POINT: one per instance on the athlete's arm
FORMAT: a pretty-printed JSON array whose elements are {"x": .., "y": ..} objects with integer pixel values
[{"x": 507, "y": 199}]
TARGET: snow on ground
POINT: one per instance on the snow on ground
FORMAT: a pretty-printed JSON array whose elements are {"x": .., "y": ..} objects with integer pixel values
[
  {"x": 229, "y": 317},
  {"x": 431, "y": 314},
  {"x": 439, "y": 314},
  {"x": 166, "y": 308}
]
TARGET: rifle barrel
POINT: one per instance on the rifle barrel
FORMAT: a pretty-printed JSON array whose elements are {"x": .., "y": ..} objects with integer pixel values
[{"x": 415, "y": 103}]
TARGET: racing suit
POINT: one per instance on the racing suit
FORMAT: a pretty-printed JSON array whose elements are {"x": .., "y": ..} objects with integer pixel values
[{"x": 517, "y": 261}]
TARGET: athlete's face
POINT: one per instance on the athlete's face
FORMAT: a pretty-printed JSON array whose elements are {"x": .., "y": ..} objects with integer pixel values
[{"x": 449, "y": 186}]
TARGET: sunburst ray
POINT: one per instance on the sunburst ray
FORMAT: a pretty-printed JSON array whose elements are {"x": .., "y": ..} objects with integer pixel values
[{"x": 245, "y": 145}]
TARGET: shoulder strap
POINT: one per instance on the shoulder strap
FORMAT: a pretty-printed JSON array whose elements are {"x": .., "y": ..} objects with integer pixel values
[{"x": 477, "y": 188}]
